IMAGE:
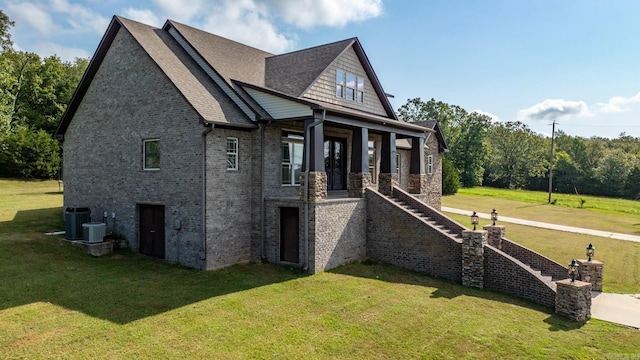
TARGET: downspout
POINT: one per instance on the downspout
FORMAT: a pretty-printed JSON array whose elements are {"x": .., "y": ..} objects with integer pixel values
[
  {"x": 307, "y": 156},
  {"x": 263, "y": 255},
  {"x": 208, "y": 129}
]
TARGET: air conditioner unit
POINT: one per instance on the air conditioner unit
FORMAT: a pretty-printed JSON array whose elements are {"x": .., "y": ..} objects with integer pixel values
[{"x": 94, "y": 232}]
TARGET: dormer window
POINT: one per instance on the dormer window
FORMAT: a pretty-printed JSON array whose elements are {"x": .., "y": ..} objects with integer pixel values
[{"x": 349, "y": 86}]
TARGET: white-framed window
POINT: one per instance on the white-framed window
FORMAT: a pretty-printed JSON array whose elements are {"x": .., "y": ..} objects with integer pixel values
[
  {"x": 151, "y": 154},
  {"x": 349, "y": 86},
  {"x": 232, "y": 153},
  {"x": 340, "y": 83},
  {"x": 292, "y": 149},
  {"x": 372, "y": 161},
  {"x": 430, "y": 164}
]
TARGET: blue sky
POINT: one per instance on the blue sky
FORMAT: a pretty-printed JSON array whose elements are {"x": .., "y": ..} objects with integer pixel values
[{"x": 575, "y": 62}]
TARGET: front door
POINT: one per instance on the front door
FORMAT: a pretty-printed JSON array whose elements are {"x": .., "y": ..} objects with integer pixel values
[
  {"x": 335, "y": 163},
  {"x": 289, "y": 234},
  {"x": 152, "y": 230}
]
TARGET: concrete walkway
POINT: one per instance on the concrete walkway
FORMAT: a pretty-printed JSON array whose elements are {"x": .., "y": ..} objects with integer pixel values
[
  {"x": 543, "y": 225},
  {"x": 617, "y": 308}
]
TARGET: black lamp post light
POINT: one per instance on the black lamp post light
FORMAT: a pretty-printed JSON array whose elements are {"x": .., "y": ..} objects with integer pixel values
[
  {"x": 474, "y": 220},
  {"x": 573, "y": 269},
  {"x": 494, "y": 216},
  {"x": 590, "y": 251}
]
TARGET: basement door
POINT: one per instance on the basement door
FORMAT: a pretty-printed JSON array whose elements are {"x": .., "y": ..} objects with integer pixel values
[
  {"x": 152, "y": 230},
  {"x": 335, "y": 163},
  {"x": 289, "y": 234}
]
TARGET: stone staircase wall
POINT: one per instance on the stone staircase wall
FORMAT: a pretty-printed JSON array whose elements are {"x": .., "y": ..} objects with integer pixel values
[
  {"x": 505, "y": 273},
  {"x": 534, "y": 260},
  {"x": 436, "y": 215},
  {"x": 402, "y": 238}
]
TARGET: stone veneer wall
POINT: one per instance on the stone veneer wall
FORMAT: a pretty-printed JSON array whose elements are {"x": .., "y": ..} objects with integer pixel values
[
  {"x": 401, "y": 238},
  {"x": 473, "y": 258},
  {"x": 338, "y": 233},
  {"x": 535, "y": 260},
  {"x": 505, "y": 273},
  {"x": 574, "y": 300},
  {"x": 433, "y": 180},
  {"x": 591, "y": 272}
]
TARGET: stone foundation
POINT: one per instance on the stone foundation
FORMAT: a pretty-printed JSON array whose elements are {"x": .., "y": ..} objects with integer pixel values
[
  {"x": 495, "y": 234},
  {"x": 473, "y": 258},
  {"x": 591, "y": 272},
  {"x": 573, "y": 299},
  {"x": 386, "y": 182},
  {"x": 358, "y": 184},
  {"x": 417, "y": 184},
  {"x": 317, "y": 186}
]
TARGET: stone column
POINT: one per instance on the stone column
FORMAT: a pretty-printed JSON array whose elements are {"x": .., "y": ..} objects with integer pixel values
[
  {"x": 495, "y": 235},
  {"x": 473, "y": 242},
  {"x": 317, "y": 186},
  {"x": 573, "y": 299},
  {"x": 417, "y": 175},
  {"x": 359, "y": 177},
  {"x": 386, "y": 182},
  {"x": 591, "y": 272},
  {"x": 417, "y": 184}
]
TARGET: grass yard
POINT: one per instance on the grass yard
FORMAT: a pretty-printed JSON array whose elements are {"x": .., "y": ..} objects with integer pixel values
[
  {"x": 56, "y": 302},
  {"x": 621, "y": 258}
]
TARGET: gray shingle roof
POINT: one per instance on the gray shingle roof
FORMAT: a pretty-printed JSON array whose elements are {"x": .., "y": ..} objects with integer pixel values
[
  {"x": 292, "y": 73},
  {"x": 230, "y": 59}
]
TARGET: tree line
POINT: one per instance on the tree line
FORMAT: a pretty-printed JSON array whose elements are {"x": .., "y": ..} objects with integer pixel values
[
  {"x": 510, "y": 155},
  {"x": 34, "y": 93}
]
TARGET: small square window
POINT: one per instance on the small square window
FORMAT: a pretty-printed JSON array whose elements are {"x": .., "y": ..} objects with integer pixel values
[
  {"x": 232, "y": 153},
  {"x": 151, "y": 156}
]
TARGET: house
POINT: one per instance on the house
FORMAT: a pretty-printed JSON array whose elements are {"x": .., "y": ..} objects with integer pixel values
[{"x": 207, "y": 152}]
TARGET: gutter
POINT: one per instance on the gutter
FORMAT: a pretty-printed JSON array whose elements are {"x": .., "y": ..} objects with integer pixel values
[
  {"x": 208, "y": 128},
  {"x": 263, "y": 255},
  {"x": 307, "y": 156}
]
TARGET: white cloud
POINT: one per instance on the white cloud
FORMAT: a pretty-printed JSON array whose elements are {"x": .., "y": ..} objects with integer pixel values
[
  {"x": 247, "y": 22},
  {"x": 63, "y": 52},
  {"x": 332, "y": 13},
  {"x": 30, "y": 15},
  {"x": 554, "y": 109},
  {"x": 144, "y": 16},
  {"x": 79, "y": 17},
  {"x": 494, "y": 118},
  {"x": 617, "y": 104},
  {"x": 181, "y": 10}
]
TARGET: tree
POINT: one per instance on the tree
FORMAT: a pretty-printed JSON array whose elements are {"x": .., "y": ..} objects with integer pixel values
[
  {"x": 29, "y": 154},
  {"x": 464, "y": 133},
  {"x": 450, "y": 178},
  {"x": 516, "y": 155},
  {"x": 5, "y": 36},
  {"x": 612, "y": 172}
]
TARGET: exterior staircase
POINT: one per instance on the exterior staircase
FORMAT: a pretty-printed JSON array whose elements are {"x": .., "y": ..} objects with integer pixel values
[{"x": 539, "y": 268}]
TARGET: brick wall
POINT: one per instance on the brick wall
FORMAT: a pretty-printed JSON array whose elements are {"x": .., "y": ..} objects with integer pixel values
[
  {"x": 339, "y": 233},
  {"x": 434, "y": 180},
  {"x": 533, "y": 259},
  {"x": 230, "y": 199},
  {"x": 128, "y": 101},
  {"x": 505, "y": 273},
  {"x": 400, "y": 238}
]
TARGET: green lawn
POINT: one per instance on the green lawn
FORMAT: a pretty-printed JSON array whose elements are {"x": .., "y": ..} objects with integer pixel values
[{"x": 56, "y": 302}]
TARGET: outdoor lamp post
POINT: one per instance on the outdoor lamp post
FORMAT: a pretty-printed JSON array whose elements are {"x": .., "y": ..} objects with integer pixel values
[
  {"x": 573, "y": 269},
  {"x": 474, "y": 220},
  {"x": 590, "y": 251},
  {"x": 494, "y": 216}
]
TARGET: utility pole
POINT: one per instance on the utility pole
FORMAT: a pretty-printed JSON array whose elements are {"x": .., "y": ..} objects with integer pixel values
[{"x": 553, "y": 135}]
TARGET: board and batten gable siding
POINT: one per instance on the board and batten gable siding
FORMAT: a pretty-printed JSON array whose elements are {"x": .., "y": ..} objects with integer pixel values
[
  {"x": 278, "y": 107},
  {"x": 130, "y": 100},
  {"x": 324, "y": 89}
]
